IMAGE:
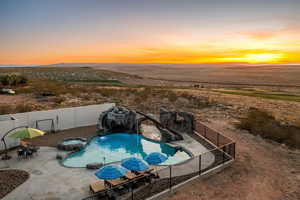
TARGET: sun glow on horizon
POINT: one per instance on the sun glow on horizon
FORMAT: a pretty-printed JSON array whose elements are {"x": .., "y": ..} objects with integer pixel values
[{"x": 255, "y": 58}]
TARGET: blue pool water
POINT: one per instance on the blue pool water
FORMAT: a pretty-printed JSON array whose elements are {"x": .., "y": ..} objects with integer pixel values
[{"x": 115, "y": 147}]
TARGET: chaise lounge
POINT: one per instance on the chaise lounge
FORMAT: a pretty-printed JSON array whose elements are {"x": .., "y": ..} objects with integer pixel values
[{"x": 97, "y": 187}]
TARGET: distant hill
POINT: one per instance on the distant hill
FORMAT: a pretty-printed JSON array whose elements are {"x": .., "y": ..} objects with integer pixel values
[{"x": 275, "y": 74}]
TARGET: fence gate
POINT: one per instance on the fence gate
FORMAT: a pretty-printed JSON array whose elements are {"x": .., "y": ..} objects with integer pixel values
[{"x": 46, "y": 125}]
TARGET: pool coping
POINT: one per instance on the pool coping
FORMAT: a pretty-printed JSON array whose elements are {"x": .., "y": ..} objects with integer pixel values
[{"x": 88, "y": 140}]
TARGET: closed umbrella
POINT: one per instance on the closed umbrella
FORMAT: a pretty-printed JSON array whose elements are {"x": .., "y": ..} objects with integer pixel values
[
  {"x": 134, "y": 164},
  {"x": 110, "y": 172}
]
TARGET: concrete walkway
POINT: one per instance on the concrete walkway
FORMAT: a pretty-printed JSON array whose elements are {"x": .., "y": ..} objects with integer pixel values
[
  {"x": 190, "y": 166},
  {"x": 48, "y": 179}
]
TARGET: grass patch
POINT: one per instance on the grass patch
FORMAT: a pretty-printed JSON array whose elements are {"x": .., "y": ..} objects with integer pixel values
[
  {"x": 96, "y": 81},
  {"x": 264, "y": 124},
  {"x": 275, "y": 96}
]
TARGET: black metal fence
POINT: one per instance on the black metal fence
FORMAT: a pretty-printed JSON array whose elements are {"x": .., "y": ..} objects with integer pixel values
[
  {"x": 214, "y": 136},
  {"x": 221, "y": 151}
]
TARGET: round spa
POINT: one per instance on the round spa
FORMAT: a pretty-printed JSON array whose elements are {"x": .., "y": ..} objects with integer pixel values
[
  {"x": 118, "y": 146},
  {"x": 71, "y": 144}
]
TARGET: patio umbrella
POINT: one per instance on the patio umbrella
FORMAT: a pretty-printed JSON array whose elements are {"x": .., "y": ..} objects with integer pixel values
[
  {"x": 155, "y": 158},
  {"x": 134, "y": 164},
  {"x": 27, "y": 133},
  {"x": 112, "y": 171}
]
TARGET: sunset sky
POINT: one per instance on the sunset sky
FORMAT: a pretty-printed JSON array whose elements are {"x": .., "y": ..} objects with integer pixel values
[{"x": 149, "y": 31}]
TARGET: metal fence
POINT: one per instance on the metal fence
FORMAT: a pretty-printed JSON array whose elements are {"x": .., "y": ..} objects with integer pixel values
[
  {"x": 212, "y": 135},
  {"x": 221, "y": 151}
]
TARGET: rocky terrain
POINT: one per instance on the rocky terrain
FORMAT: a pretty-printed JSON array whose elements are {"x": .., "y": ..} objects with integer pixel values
[{"x": 10, "y": 179}]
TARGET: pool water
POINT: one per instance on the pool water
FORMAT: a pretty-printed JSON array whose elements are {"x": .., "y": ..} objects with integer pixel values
[{"x": 116, "y": 147}]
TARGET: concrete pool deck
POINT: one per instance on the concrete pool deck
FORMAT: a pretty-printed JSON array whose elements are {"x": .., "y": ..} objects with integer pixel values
[
  {"x": 48, "y": 179},
  {"x": 51, "y": 181}
]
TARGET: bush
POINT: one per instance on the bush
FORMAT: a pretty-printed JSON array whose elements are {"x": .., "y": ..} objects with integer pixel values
[
  {"x": 13, "y": 80},
  {"x": 59, "y": 100},
  {"x": 6, "y": 109},
  {"x": 20, "y": 108},
  {"x": 264, "y": 124}
]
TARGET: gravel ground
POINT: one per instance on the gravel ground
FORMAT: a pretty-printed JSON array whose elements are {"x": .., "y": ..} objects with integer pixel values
[{"x": 10, "y": 179}]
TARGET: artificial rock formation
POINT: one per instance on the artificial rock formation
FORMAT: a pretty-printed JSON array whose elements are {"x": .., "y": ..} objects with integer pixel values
[
  {"x": 169, "y": 119},
  {"x": 118, "y": 119}
]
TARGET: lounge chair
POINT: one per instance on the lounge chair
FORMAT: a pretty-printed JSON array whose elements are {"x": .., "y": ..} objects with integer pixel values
[
  {"x": 132, "y": 175},
  {"x": 149, "y": 171},
  {"x": 97, "y": 187}
]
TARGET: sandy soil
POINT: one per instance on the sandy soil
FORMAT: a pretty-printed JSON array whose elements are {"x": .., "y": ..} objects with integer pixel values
[
  {"x": 17, "y": 99},
  {"x": 262, "y": 171}
]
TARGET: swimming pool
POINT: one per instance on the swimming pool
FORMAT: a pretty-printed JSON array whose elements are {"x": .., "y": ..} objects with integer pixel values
[{"x": 117, "y": 146}]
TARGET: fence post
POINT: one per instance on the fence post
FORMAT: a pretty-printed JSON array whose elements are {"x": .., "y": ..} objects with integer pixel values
[
  {"x": 223, "y": 155},
  {"x": 218, "y": 136},
  {"x": 199, "y": 164},
  {"x": 132, "y": 191},
  {"x": 170, "y": 177},
  {"x": 234, "y": 150}
]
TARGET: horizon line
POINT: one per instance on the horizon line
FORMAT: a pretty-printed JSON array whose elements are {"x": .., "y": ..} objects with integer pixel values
[{"x": 68, "y": 63}]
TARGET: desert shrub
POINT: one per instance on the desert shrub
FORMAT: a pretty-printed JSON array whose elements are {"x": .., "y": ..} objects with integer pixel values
[
  {"x": 6, "y": 109},
  {"x": 196, "y": 102},
  {"x": 264, "y": 124},
  {"x": 13, "y": 80},
  {"x": 39, "y": 87},
  {"x": 20, "y": 108},
  {"x": 59, "y": 99},
  {"x": 172, "y": 96},
  {"x": 107, "y": 92}
]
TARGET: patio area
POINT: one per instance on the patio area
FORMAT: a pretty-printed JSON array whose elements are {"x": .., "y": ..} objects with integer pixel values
[{"x": 50, "y": 180}]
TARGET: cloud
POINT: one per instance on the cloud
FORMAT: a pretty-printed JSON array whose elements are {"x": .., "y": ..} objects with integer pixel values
[{"x": 260, "y": 35}]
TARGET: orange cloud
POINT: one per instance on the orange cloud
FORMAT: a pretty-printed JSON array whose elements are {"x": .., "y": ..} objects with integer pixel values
[
  {"x": 280, "y": 46},
  {"x": 259, "y": 35}
]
